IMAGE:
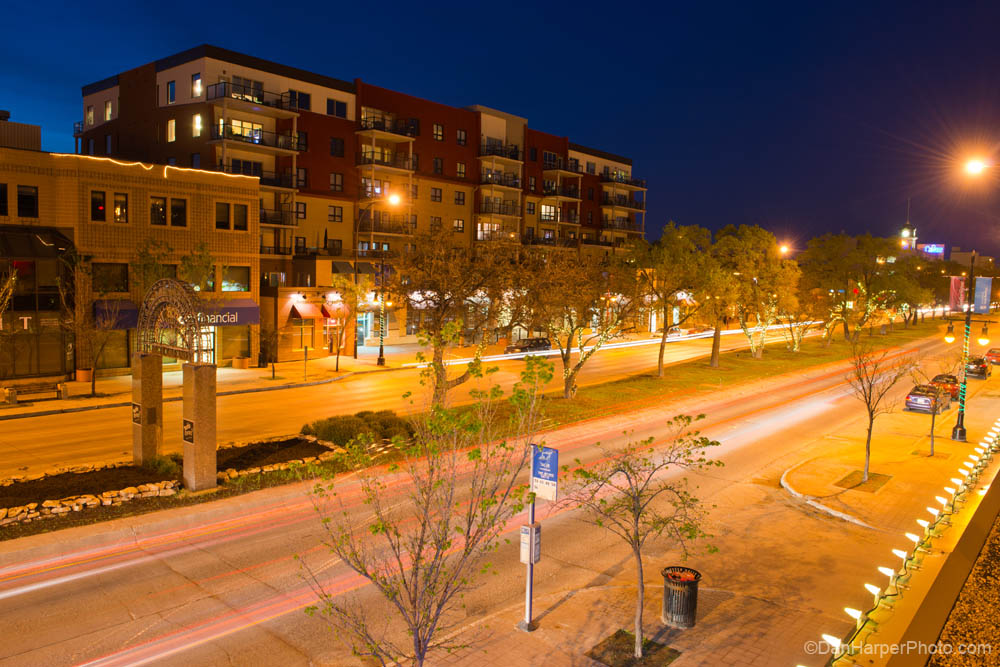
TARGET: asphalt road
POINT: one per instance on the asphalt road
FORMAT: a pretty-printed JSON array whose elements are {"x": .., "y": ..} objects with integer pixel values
[
  {"x": 37, "y": 444},
  {"x": 217, "y": 584}
]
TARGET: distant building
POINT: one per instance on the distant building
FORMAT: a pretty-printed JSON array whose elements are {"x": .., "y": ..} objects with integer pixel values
[{"x": 963, "y": 257}]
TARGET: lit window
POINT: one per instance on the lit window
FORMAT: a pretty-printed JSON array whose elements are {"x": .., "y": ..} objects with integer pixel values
[
  {"x": 438, "y": 132},
  {"x": 90, "y": 115},
  {"x": 171, "y": 92},
  {"x": 460, "y": 169},
  {"x": 171, "y": 130},
  {"x": 107, "y": 110},
  {"x": 121, "y": 207},
  {"x": 458, "y": 225},
  {"x": 196, "y": 126},
  {"x": 97, "y": 212},
  {"x": 196, "y": 85}
]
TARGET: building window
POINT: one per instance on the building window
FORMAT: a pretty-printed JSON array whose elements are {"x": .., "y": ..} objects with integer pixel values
[
  {"x": 302, "y": 333},
  {"x": 336, "y": 108},
  {"x": 90, "y": 146},
  {"x": 178, "y": 212},
  {"x": 460, "y": 169},
  {"x": 461, "y": 137},
  {"x": 235, "y": 278},
  {"x": 548, "y": 234},
  {"x": 534, "y": 154},
  {"x": 27, "y": 201},
  {"x": 458, "y": 225},
  {"x": 591, "y": 168},
  {"x": 531, "y": 208},
  {"x": 158, "y": 211},
  {"x": 438, "y": 131},
  {"x": 301, "y": 177},
  {"x": 171, "y": 92},
  {"x": 90, "y": 114},
  {"x": 221, "y": 215},
  {"x": 549, "y": 158},
  {"x": 196, "y": 160},
  {"x": 121, "y": 207},
  {"x": 436, "y": 194},
  {"x": 336, "y": 147},
  {"x": 3, "y": 199},
  {"x": 435, "y": 223},
  {"x": 335, "y": 213},
  {"x": 171, "y": 130},
  {"x": 107, "y": 110},
  {"x": 438, "y": 165},
  {"x": 299, "y": 100},
  {"x": 549, "y": 213},
  {"x": 240, "y": 217},
  {"x": 531, "y": 183},
  {"x": 196, "y": 125},
  {"x": 97, "y": 209},
  {"x": 413, "y": 192},
  {"x": 590, "y": 194},
  {"x": 336, "y": 182},
  {"x": 107, "y": 144},
  {"x": 590, "y": 217},
  {"x": 300, "y": 210},
  {"x": 459, "y": 197},
  {"x": 109, "y": 277},
  {"x": 196, "y": 85}
]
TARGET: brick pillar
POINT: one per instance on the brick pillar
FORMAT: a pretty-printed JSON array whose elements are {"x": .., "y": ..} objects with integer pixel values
[
  {"x": 198, "y": 427},
  {"x": 147, "y": 407}
]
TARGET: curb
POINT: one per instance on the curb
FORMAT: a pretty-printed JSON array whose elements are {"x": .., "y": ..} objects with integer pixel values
[{"x": 812, "y": 502}]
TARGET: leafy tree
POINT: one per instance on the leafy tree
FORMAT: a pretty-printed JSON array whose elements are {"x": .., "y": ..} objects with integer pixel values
[
  {"x": 351, "y": 294},
  {"x": 197, "y": 268},
  {"x": 873, "y": 375},
  {"x": 803, "y": 310},
  {"x": 629, "y": 494},
  {"x": 670, "y": 271},
  {"x": 424, "y": 547},
  {"x": 719, "y": 295},
  {"x": 150, "y": 262}
]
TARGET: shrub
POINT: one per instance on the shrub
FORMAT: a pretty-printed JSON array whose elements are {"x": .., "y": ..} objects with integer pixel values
[
  {"x": 170, "y": 466},
  {"x": 339, "y": 430}
]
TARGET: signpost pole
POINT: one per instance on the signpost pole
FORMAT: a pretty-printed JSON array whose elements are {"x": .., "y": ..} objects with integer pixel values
[{"x": 526, "y": 624}]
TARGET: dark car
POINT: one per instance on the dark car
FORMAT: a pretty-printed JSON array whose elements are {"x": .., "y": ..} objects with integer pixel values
[
  {"x": 948, "y": 383},
  {"x": 529, "y": 345},
  {"x": 978, "y": 367},
  {"x": 926, "y": 398},
  {"x": 993, "y": 355}
]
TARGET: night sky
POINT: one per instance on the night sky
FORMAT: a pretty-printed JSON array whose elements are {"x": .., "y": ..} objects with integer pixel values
[{"x": 800, "y": 119}]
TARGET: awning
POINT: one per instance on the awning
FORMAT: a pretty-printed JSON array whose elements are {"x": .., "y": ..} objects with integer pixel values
[
  {"x": 365, "y": 267},
  {"x": 342, "y": 267},
  {"x": 333, "y": 310},
  {"x": 305, "y": 311},
  {"x": 236, "y": 312},
  {"x": 115, "y": 314}
]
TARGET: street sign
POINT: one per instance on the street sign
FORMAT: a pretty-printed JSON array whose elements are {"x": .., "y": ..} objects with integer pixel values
[
  {"x": 187, "y": 431},
  {"x": 544, "y": 472},
  {"x": 136, "y": 414},
  {"x": 531, "y": 543}
]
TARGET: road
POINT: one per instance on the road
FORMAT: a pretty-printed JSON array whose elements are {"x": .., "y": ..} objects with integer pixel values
[
  {"x": 37, "y": 444},
  {"x": 217, "y": 584}
]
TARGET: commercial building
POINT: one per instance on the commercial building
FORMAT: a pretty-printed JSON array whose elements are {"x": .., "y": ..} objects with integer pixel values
[
  {"x": 328, "y": 152},
  {"x": 130, "y": 222}
]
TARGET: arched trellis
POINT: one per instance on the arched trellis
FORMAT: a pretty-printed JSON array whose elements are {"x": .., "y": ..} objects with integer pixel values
[{"x": 170, "y": 320}]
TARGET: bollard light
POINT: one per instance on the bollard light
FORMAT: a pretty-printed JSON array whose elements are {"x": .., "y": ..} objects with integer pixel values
[
  {"x": 949, "y": 490},
  {"x": 924, "y": 523},
  {"x": 913, "y": 538}
]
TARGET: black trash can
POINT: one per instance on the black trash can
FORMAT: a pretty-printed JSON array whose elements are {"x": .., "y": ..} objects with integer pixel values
[{"x": 680, "y": 596}]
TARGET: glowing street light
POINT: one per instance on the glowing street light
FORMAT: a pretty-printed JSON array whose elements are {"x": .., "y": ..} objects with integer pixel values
[
  {"x": 975, "y": 167},
  {"x": 784, "y": 249}
]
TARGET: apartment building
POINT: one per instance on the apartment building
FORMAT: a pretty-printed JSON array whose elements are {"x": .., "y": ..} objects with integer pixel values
[
  {"x": 349, "y": 171},
  {"x": 110, "y": 211}
]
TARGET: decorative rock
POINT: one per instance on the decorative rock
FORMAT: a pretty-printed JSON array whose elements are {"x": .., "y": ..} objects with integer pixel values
[
  {"x": 129, "y": 490},
  {"x": 60, "y": 510},
  {"x": 251, "y": 471},
  {"x": 232, "y": 473},
  {"x": 269, "y": 468},
  {"x": 110, "y": 494},
  {"x": 3, "y": 512},
  {"x": 168, "y": 492},
  {"x": 105, "y": 501},
  {"x": 31, "y": 506},
  {"x": 51, "y": 503}
]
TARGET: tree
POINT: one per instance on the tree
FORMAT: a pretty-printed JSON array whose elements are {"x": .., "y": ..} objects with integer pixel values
[
  {"x": 873, "y": 375},
  {"x": 8, "y": 283},
  {"x": 150, "y": 262},
  {"x": 803, "y": 310},
  {"x": 630, "y": 495},
  {"x": 581, "y": 301},
  {"x": 945, "y": 365},
  {"x": 197, "y": 268},
  {"x": 718, "y": 296},
  {"x": 458, "y": 293},
  {"x": 765, "y": 280},
  {"x": 350, "y": 295},
  {"x": 670, "y": 271},
  {"x": 422, "y": 548}
]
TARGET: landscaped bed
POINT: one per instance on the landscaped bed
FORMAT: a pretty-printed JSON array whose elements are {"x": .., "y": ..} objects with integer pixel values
[
  {"x": 63, "y": 485},
  {"x": 260, "y": 454}
]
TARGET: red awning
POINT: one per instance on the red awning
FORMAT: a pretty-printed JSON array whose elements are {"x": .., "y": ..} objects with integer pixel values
[
  {"x": 332, "y": 310},
  {"x": 305, "y": 311}
]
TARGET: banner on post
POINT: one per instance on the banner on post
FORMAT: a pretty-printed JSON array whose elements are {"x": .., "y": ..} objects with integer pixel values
[
  {"x": 984, "y": 288},
  {"x": 957, "y": 293}
]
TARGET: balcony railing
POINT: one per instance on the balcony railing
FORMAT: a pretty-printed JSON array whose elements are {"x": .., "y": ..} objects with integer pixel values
[
  {"x": 243, "y": 93},
  {"x": 387, "y": 224},
  {"x": 560, "y": 216},
  {"x": 285, "y": 141},
  {"x": 389, "y": 159},
  {"x": 495, "y": 178},
  {"x": 500, "y": 208},
  {"x": 509, "y": 151},
  {"x": 331, "y": 250},
  {"x": 549, "y": 241},
  {"x": 624, "y": 202},
  {"x": 622, "y": 178},
  {"x": 408, "y": 127},
  {"x": 570, "y": 191},
  {"x": 274, "y": 179},
  {"x": 564, "y": 165},
  {"x": 77, "y": 128},
  {"x": 599, "y": 242},
  {"x": 275, "y": 250},
  {"x": 623, "y": 225},
  {"x": 270, "y": 216}
]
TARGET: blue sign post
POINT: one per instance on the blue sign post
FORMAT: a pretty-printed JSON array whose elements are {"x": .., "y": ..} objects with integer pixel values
[{"x": 544, "y": 484}]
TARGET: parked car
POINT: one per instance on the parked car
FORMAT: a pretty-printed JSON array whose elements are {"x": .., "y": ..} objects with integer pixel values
[
  {"x": 948, "y": 383},
  {"x": 529, "y": 345},
  {"x": 925, "y": 398},
  {"x": 993, "y": 355},
  {"x": 675, "y": 331},
  {"x": 978, "y": 367}
]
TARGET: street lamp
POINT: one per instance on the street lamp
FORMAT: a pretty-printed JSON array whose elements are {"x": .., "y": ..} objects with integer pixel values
[
  {"x": 393, "y": 200},
  {"x": 958, "y": 432},
  {"x": 976, "y": 166}
]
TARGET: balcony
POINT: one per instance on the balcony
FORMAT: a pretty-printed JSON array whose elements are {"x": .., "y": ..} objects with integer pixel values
[
  {"x": 253, "y": 100},
  {"x": 502, "y": 234},
  {"x": 396, "y": 224},
  {"x": 622, "y": 179},
  {"x": 623, "y": 202},
  {"x": 285, "y": 218},
  {"x": 397, "y": 161},
  {"x": 621, "y": 225},
  {"x": 561, "y": 191},
  {"x": 268, "y": 179},
  {"x": 276, "y": 250},
  {"x": 500, "y": 180},
  {"x": 569, "y": 218},
  {"x": 599, "y": 242},
  {"x": 78, "y": 128},
  {"x": 510, "y": 152},
  {"x": 511, "y": 208},
  {"x": 548, "y": 241},
  {"x": 559, "y": 166},
  {"x": 260, "y": 140},
  {"x": 387, "y": 127},
  {"x": 334, "y": 249}
]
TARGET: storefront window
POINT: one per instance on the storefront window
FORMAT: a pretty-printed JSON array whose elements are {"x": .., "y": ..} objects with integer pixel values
[
  {"x": 234, "y": 342},
  {"x": 236, "y": 279},
  {"x": 302, "y": 333}
]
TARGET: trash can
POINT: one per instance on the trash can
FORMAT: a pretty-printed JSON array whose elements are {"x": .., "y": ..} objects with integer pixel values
[{"x": 680, "y": 596}]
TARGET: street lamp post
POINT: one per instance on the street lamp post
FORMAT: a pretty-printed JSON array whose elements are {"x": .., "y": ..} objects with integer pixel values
[
  {"x": 392, "y": 200},
  {"x": 958, "y": 432}
]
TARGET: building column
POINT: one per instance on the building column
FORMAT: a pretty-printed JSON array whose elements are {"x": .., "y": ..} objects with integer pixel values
[
  {"x": 198, "y": 428},
  {"x": 147, "y": 408}
]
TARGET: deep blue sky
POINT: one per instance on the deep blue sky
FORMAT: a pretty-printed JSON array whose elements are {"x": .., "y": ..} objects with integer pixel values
[{"x": 799, "y": 118}]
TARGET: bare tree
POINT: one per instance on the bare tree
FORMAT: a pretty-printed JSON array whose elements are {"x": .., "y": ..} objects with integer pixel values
[
  {"x": 944, "y": 365},
  {"x": 423, "y": 547},
  {"x": 8, "y": 282},
  {"x": 633, "y": 494},
  {"x": 873, "y": 375}
]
